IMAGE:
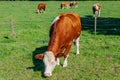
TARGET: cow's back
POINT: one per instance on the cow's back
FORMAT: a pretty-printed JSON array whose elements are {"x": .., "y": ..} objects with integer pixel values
[
  {"x": 68, "y": 24},
  {"x": 76, "y": 25}
]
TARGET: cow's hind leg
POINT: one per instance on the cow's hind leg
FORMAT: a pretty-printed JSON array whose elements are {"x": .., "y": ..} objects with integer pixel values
[{"x": 77, "y": 45}]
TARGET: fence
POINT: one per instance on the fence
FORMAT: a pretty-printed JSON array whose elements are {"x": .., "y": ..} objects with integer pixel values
[{"x": 107, "y": 26}]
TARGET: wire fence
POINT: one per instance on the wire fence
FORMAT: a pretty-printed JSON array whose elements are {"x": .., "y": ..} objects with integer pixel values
[{"x": 106, "y": 25}]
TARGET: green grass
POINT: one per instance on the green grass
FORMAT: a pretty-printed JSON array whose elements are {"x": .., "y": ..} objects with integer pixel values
[{"x": 100, "y": 54}]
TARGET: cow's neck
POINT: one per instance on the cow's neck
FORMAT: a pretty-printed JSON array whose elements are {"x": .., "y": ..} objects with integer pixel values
[{"x": 54, "y": 45}]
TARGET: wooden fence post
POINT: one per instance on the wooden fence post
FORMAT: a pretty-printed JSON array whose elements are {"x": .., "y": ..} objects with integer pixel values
[
  {"x": 12, "y": 28},
  {"x": 95, "y": 24}
]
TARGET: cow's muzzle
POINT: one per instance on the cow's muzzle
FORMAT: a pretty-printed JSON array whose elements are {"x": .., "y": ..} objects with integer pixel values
[{"x": 47, "y": 74}]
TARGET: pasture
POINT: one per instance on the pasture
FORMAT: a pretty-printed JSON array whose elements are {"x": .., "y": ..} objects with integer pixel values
[{"x": 99, "y": 57}]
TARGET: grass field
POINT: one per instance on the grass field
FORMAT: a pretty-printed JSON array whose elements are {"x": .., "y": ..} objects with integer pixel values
[{"x": 100, "y": 54}]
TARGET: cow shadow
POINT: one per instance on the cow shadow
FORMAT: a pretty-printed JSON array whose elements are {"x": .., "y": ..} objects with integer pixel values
[
  {"x": 105, "y": 26},
  {"x": 38, "y": 64}
]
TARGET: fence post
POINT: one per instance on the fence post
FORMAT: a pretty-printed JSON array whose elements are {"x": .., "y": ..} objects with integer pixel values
[
  {"x": 12, "y": 28},
  {"x": 95, "y": 24}
]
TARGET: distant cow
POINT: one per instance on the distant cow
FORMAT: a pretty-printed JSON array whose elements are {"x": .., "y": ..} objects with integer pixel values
[
  {"x": 73, "y": 4},
  {"x": 96, "y": 9},
  {"x": 41, "y": 6},
  {"x": 65, "y": 29},
  {"x": 65, "y": 5}
]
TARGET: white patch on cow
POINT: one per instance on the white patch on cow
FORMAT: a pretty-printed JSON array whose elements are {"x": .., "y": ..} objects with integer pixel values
[
  {"x": 96, "y": 7},
  {"x": 50, "y": 63},
  {"x": 55, "y": 20}
]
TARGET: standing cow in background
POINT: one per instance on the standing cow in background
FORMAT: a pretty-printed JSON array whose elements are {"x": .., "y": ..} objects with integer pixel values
[
  {"x": 65, "y": 29},
  {"x": 65, "y": 5},
  {"x": 73, "y": 4},
  {"x": 41, "y": 6},
  {"x": 96, "y": 9}
]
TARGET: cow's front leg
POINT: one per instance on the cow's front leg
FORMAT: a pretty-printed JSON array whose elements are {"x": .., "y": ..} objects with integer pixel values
[
  {"x": 58, "y": 61},
  {"x": 65, "y": 61},
  {"x": 66, "y": 54}
]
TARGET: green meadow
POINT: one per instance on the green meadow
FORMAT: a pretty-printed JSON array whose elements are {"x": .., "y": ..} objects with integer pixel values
[{"x": 99, "y": 57}]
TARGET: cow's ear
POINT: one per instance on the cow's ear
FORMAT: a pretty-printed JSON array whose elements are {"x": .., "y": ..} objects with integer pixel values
[{"x": 39, "y": 56}]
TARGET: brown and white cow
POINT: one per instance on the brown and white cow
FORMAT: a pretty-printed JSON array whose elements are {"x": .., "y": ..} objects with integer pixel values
[
  {"x": 41, "y": 6},
  {"x": 65, "y": 5},
  {"x": 96, "y": 9},
  {"x": 65, "y": 29},
  {"x": 73, "y": 4}
]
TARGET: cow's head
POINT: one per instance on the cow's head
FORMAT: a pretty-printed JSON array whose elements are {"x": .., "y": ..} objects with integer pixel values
[{"x": 49, "y": 61}]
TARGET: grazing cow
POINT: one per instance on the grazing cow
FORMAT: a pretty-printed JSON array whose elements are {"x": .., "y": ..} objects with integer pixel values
[
  {"x": 41, "y": 6},
  {"x": 65, "y": 29},
  {"x": 73, "y": 4},
  {"x": 96, "y": 9},
  {"x": 65, "y": 5}
]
